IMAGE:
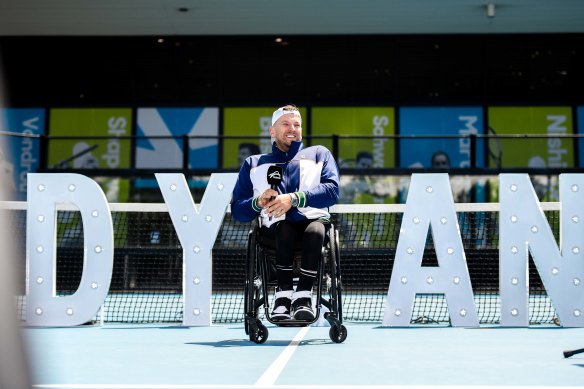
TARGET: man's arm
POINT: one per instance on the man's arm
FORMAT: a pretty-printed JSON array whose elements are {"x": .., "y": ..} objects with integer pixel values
[
  {"x": 327, "y": 193},
  {"x": 244, "y": 207}
]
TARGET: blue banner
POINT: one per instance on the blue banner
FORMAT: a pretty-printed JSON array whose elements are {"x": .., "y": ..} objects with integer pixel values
[
  {"x": 453, "y": 152},
  {"x": 169, "y": 125},
  {"x": 176, "y": 122},
  {"x": 20, "y": 155}
]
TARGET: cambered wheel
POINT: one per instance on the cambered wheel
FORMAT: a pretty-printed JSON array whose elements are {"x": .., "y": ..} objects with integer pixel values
[
  {"x": 248, "y": 293},
  {"x": 338, "y": 333},
  {"x": 335, "y": 271},
  {"x": 259, "y": 336}
]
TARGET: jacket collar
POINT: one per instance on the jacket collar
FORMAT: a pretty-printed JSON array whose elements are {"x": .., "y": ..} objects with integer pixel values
[{"x": 295, "y": 147}]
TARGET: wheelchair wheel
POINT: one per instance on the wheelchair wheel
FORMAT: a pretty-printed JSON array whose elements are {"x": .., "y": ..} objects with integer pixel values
[
  {"x": 260, "y": 335},
  {"x": 335, "y": 272},
  {"x": 338, "y": 333},
  {"x": 248, "y": 293}
]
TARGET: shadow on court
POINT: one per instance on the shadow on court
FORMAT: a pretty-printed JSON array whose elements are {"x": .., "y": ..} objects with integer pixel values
[{"x": 247, "y": 343}]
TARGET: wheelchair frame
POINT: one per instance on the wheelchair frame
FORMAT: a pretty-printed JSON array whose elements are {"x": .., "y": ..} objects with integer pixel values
[{"x": 258, "y": 281}]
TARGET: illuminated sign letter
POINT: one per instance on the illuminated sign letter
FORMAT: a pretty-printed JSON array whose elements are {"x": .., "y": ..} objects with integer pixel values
[
  {"x": 197, "y": 229},
  {"x": 44, "y": 306},
  {"x": 524, "y": 229},
  {"x": 430, "y": 204}
]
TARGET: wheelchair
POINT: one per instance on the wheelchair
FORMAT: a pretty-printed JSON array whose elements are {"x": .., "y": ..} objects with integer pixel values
[{"x": 261, "y": 282}]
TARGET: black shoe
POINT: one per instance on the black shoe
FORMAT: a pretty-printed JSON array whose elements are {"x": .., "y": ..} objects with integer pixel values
[
  {"x": 282, "y": 306},
  {"x": 302, "y": 308}
]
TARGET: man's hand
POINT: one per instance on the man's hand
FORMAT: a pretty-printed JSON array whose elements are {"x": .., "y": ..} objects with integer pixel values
[
  {"x": 265, "y": 197},
  {"x": 276, "y": 207}
]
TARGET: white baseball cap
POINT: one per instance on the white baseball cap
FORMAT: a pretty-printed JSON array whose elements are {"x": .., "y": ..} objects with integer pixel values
[{"x": 283, "y": 111}]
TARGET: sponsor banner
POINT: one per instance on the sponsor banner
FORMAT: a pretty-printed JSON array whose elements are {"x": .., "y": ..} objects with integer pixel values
[
  {"x": 536, "y": 153},
  {"x": 83, "y": 151},
  {"x": 580, "y": 120},
  {"x": 176, "y": 122},
  {"x": 173, "y": 124},
  {"x": 356, "y": 121},
  {"x": 20, "y": 156},
  {"x": 245, "y": 122},
  {"x": 88, "y": 148},
  {"x": 452, "y": 151}
]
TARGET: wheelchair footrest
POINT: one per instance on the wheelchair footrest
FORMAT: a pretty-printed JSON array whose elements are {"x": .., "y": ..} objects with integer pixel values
[{"x": 291, "y": 322}]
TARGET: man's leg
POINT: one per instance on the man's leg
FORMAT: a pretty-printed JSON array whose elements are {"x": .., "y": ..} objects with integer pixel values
[
  {"x": 312, "y": 242},
  {"x": 285, "y": 235}
]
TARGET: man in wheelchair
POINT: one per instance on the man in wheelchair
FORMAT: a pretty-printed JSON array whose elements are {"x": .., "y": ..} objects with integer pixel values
[{"x": 290, "y": 190}]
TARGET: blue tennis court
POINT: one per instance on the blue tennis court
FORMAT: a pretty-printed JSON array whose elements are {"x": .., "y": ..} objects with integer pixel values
[
  {"x": 142, "y": 343},
  {"x": 221, "y": 356}
]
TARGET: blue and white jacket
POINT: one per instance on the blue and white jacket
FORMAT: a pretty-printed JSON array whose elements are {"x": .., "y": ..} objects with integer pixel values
[{"x": 312, "y": 173}]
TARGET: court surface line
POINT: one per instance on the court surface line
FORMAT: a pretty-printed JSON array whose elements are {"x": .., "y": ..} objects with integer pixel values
[
  {"x": 271, "y": 375},
  {"x": 187, "y": 386}
]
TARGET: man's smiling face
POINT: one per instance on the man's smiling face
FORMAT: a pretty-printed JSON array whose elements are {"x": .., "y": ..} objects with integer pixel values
[{"x": 287, "y": 128}]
